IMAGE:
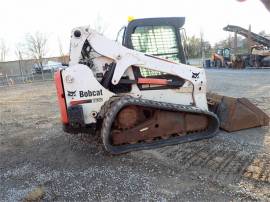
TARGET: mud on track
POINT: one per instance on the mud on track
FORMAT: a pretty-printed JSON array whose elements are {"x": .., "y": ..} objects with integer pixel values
[{"x": 35, "y": 152}]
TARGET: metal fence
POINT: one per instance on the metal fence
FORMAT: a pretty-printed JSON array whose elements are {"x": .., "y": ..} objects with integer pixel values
[{"x": 10, "y": 80}]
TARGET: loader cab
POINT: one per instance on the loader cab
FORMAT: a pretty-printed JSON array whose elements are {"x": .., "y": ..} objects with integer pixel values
[
  {"x": 225, "y": 53},
  {"x": 222, "y": 57},
  {"x": 161, "y": 37}
]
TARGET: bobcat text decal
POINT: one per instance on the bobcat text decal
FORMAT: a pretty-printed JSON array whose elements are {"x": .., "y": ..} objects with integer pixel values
[{"x": 90, "y": 93}]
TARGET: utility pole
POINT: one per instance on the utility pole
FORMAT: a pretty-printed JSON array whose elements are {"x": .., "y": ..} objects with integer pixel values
[
  {"x": 230, "y": 41},
  {"x": 202, "y": 48},
  {"x": 20, "y": 65},
  {"x": 249, "y": 42},
  {"x": 235, "y": 43}
]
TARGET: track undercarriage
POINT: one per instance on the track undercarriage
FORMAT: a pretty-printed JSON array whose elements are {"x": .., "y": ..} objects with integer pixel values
[{"x": 133, "y": 124}]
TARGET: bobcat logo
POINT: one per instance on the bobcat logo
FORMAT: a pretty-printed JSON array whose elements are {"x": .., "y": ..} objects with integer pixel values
[
  {"x": 72, "y": 93},
  {"x": 195, "y": 75}
]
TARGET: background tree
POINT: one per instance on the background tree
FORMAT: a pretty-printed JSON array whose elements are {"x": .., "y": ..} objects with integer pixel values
[
  {"x": 207, "y": 49},
  {"x": 63, "y": 56},
  {"x": 100, "y": 25},
  {"x": 3, "y": 50},
  {"x": 196, "y": 46},
  {"x": 20, "y": 51},
  {"x": 20, "y": 54},
  {"x": 224, "y": 43},
  {"x": 264, "y": 34},
  {"x": 60, "y": 46},
  {"x": 36, "y": 46}
]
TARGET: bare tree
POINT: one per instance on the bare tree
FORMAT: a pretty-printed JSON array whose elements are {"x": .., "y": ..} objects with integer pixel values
[
  {"x": 36, "y": 46},
  {"x": 60, "y": 46},
  {"x": 202, "y": 45},
  {"x": 63, "y": 55},
  {"x": 3, "y": 50},
  {"x": 20, "y": 54},
  {"x": 194, "y": 46},
  {"x": 100, "y": 25},
  {"x": 61, "y": 51},
  {"x": 20, "y": 51}
]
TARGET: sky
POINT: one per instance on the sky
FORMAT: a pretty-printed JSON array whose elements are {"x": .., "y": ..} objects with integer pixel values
[{"x": 56, "y": 18}]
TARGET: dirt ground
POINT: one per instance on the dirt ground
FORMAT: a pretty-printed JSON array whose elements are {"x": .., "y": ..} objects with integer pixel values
[{"x": 35, "y": 152}]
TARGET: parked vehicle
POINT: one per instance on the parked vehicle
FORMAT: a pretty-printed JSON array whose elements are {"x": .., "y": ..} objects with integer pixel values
[{"x": 51, "y": 66}]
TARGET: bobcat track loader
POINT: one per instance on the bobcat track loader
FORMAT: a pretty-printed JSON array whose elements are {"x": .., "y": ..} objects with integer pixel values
[{"x": 135, "y": 99}]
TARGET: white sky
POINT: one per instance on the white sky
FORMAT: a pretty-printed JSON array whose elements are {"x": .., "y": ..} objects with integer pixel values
[{"x": 56, "y": 18}]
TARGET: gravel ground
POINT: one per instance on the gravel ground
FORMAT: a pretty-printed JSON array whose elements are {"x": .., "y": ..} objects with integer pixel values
[{"x": 35, "y": 152}]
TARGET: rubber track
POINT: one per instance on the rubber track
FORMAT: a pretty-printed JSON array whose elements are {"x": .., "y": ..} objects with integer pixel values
[{"x": 113, "y": 106}]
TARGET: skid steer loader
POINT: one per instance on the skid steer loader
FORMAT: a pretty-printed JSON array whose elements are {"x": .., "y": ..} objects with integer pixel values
[{"x": 135, "y": 99}]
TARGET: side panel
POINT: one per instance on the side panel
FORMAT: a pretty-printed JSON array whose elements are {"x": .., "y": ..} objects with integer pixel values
[
  {"x": 61, "y": 96},
  {"x": 82, "y": 88},
  {"x": 169, "y": 96}
]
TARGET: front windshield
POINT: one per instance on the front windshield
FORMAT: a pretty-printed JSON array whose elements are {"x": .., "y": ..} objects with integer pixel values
[{"x": 160, "y": 41}]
